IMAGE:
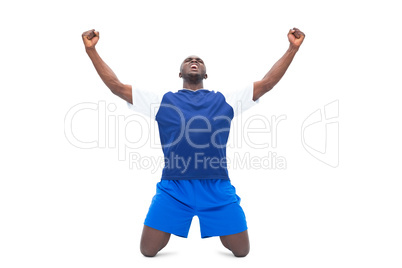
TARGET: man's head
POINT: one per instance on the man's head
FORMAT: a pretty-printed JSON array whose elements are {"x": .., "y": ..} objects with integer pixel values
[{"x": 193, "y": 69}]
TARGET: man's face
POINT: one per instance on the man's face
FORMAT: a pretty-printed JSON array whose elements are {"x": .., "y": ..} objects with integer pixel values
[{"x": 193, "y": 67}]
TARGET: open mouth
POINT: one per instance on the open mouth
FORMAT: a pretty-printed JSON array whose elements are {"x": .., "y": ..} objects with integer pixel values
[{"x": 194, "y": 67}]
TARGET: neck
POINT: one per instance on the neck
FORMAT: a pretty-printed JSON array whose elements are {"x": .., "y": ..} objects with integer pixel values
[{"x": 193, "y": 86}]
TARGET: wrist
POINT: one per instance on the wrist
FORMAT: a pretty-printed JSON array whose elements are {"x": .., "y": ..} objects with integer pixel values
[
  {"x": 90, "y": 49},
  {"x": 293, "y": 49}
]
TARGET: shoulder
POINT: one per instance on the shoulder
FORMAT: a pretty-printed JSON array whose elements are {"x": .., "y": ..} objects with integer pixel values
[
  {"x": 170, "y": 95},
  {"x": 240, "y": 98}
]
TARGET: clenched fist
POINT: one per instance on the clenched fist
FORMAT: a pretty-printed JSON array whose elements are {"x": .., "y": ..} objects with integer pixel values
[
  {"x": 90, "y": 38},
  {"x": 296, "y": 37}
]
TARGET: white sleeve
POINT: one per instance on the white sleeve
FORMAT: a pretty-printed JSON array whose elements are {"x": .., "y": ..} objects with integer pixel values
[
  {"x": 145, "y": 102},
  {"x": 241, "y": 99}
]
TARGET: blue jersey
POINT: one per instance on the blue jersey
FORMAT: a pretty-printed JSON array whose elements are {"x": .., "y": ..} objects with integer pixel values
[{"x": 194, "y": 129}]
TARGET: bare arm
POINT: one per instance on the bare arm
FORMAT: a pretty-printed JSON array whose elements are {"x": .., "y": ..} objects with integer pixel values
[
  {"x": 274, "y": 75},
  {"x": 90, "y": 39}
]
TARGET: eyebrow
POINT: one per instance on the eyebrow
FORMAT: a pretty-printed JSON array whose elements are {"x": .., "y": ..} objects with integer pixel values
[{"x": 190, "y": 58}]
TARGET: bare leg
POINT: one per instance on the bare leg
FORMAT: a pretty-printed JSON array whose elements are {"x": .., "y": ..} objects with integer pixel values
[
  {"x": 239, "y": 243},
  {"x": 152, "y": 241}
]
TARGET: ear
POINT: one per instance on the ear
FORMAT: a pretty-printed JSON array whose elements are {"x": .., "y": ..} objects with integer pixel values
[
  {"x": 180, "y": 75},
  {"x": 205, "y": 76}
]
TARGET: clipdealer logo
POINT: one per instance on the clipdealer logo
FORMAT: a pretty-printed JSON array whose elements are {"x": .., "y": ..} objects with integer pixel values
[{"x": 320, "y": 134}]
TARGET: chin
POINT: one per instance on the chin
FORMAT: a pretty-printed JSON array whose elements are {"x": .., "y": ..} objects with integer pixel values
[{"x": 194, "y": 75}]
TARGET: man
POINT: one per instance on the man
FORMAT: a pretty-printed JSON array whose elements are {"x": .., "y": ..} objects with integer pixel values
[{"x": 194, "y": 128}]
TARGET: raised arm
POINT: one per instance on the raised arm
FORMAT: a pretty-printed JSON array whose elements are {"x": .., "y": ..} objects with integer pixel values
[
  {"x": 90, "y": 39},
  {"x": 261, "y": 87}
]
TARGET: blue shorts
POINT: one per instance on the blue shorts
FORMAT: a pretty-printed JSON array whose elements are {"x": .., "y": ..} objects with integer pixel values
[{"x": 213, "y": 201}]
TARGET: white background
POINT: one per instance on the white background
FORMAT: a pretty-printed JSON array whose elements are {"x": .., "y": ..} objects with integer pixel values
[{"x": 62, "y": 206}]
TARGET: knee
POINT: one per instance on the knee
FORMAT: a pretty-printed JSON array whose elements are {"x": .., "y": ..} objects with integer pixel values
[
  {"x": 240, "y": 253},
  {"x": 148, "y": 252}
]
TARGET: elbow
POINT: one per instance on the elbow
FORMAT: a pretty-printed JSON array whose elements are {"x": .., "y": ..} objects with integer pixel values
[
  {"x": 114, "y": 90},
  {"x": 267, "y": 86},
  {"x": 123, "y": 91},
  {"x": 116, "y": 87},
  {"x": 260, "y": 88}
]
